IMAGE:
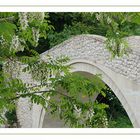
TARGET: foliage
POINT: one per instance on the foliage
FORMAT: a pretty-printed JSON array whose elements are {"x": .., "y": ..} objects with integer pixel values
[
  {"x": 116, "y": 114},
  {"x": 68, "y": 31},
  {"x": 76, "y": 104},
  {"x": 121, "y": 122},
  {"x": 20, "y": 33},
  {"x": 70, "y": 96},
  {"x": 114, "y": 26},
  {"x": 11, "y": 118}
]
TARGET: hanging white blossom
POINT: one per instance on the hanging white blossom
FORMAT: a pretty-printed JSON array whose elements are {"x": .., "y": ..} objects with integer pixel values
[
  {"x": 122, "y": 47},
  {"x": 109, "y": 20},
  {"x": 98, "y": 16},
  {"x": 113, "y": 44},
  {"x": 90, "y": 114},
  {"x": 16, "y": 45},
  {"x": 2, "y": 40},
  {"x": 23, "y": 19},
  {"x": 36, "y": 34},
  {"x": 77, "y": 111},
  {"x": 105, "y": 121}
]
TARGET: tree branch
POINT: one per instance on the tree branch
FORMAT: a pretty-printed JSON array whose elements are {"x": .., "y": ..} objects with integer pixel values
[
  {"x": 28, "y": 94},
  {"x": 7, "y": 18}
]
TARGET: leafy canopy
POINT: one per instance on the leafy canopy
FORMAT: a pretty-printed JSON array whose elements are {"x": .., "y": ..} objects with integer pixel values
[
  {"x": 113, "y": 25},
  {"x": 68, "y": 95}
]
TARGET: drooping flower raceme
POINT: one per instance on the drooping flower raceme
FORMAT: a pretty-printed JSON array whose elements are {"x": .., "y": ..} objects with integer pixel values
[
  {"x": 23, "y": 19},
  {"x": 15, "y": 44},
  {"x": 109, "y": 20},
  {"x": 77, "y": 111},
  {"x": 90, "y": 114},
  {"x": 36, "y": 34},
  {"x": 2, "y": 40},
  {"x": 105, "y": 121}
]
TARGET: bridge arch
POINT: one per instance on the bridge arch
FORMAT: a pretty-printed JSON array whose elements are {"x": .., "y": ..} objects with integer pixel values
[
  {"x": 111, "y": 79},
  {"x": 88, "y": 54}
]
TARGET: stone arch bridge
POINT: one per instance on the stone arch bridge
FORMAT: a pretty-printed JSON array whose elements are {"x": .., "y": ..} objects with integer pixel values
[{"x": 88, "y": 54}]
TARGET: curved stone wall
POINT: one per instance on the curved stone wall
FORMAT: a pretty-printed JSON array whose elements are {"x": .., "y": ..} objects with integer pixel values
[
  {"x": 124, "y": 72},
  {"x": 92, "y": 47}
]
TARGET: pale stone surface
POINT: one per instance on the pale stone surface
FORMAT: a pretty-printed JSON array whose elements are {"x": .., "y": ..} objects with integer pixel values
[
  {"x": 91, "y": 47},
  {"x": 88, "y": 54}
]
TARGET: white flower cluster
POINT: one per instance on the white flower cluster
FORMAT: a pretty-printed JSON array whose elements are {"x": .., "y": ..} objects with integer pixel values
[
  {"x": 47, "y": 100},
  {"x": 23, "y": 19},
  {"x": 109, "y": 20},
  {"x": 112, "y": 44},
  {"x": 87, "y": 115},
  {"x": 16, "y": 45},
  {"x": 12, "y": 68},
  {"x": 77, "y": 111},
  {"x": 36, "y": 34},
  {"x": 105, "y": 121},
  {"x": 90, "y": 114},
  {"x": 2, "y": 40},
  {"x": 122, "y": 47},
  {"x": 98, "y": 16}
]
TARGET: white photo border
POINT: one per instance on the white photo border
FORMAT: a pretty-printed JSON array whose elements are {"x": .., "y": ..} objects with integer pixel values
[{"x": 70, "y": 131}]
